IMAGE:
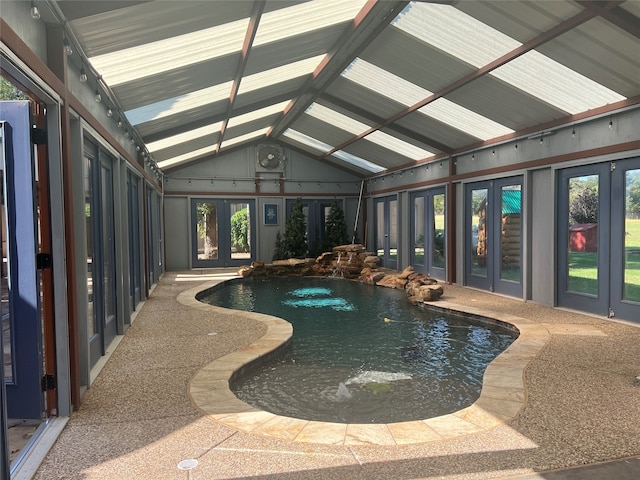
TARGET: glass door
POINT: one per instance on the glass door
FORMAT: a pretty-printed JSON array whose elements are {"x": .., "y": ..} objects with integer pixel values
[
  {"x": 101, "y": 269},
  {"x": 428, "y": 232},
  {"x": 386, "y": 231},
  {"x": 135, "y": 271},
  {"x": 222, "y": 232},
  {"x": 494, "y": 235},
  {"x": 625, "y": 240},
  {"x": 583, "y": 253},
  {"x": 599, "y": 239},
  {"x": 22, "y": 327},
  {"x": 315, "y": 214}
]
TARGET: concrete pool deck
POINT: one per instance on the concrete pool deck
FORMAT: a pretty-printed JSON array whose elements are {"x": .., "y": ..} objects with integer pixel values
[{"x": 565, "y": 394}]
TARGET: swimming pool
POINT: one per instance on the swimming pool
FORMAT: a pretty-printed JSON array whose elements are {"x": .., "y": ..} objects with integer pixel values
[{"x": 360, "y": 353}]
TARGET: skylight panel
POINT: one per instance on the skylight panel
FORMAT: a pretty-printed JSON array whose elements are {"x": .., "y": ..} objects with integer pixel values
[
  {"x": 358, "y": 162},
  {"x": 384, "y": 82},
  {"x": 399, "y": 146},
  {"x": 228, "y": 142},
  {"x": 170, "y": 53},
  {"x": 555, "y": 83},
  {"x": 323, "y": 148},
  {"x": 455, "y": 32},
  {"x": 337, "y": 119},
  {"x": 464, "y": 119},
  {"x": 279, "y": 74},
  {"x": 184, "y": 137},
  {"x": 186, "y": 157},
  {"x": 478, "y": 44},
  {"x": 307, "y": 140},
  {"x": 407, "y": 93},
  {"x": 256, "y": 114},
  {"x": 185, "y": 102},
  {"x": 305, "y": 17}
]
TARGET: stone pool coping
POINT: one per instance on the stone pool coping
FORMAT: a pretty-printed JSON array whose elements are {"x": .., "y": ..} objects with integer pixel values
[{"x": 502, "y": 397}]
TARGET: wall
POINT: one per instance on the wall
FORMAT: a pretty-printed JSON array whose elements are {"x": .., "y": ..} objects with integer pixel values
[{"x": 237, "y": 175}]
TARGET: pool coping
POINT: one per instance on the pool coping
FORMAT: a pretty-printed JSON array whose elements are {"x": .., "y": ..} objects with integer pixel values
[{"x": 502, "y": 397}]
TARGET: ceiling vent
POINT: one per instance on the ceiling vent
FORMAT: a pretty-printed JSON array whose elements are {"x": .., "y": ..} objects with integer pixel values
[{"x": 269, "y": 158}]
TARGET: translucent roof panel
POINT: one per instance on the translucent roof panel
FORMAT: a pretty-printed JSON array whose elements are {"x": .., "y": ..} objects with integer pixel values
[
  {"x": 478, "y": 44},
  {"x": 184, "y": 137},
  {"x": 187, "y": 157},
  {"x": 555, "y": 84},
  {"x": 323, "y": 147},
  {"x": 178, "y": 104},
  {"x": 400, "y": 147},
  {"x": 358, "y": 162},
  {"x": 357, "y": 128},
  {"x": 279, "y": 74},
  {"x": 471, "y": 40},
  {"x": 304, "y": 17},
  {"x": 162, "y": 55},
  {"x": 311, "y": 142},
  {"x": 407, "y": 93},
  {"x": 228, "y": 142},
  {"x": 337, "y": 119},
  {"x": 256, "y": 114}
]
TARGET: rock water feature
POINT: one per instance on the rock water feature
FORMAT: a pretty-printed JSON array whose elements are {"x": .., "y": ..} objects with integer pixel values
[{"x": 352, "y": 262}]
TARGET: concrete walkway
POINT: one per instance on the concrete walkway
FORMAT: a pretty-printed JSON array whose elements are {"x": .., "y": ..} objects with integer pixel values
[{"x": 580, "y": 406}]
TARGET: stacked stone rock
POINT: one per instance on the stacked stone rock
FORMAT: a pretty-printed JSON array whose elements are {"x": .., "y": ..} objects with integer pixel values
[{"x": 355, "y": 263}]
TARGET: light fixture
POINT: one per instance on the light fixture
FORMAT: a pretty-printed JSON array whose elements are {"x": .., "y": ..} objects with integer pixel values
[
  {"x": 234, "y": 183},
  {"x": 573, "y": 132},
  {"x": 610, "y": 123},
  {"x": 67, "y": 46},
  {"x": 109, "y": 112},
  {"x": 35, "y": 13},
  {"x": 97, "y": 97},
  {"x": 83, "y": 74},
  {"x": 119, "y": 123}
]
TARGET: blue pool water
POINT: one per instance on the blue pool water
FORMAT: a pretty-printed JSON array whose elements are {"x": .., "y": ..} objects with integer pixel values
[{"x": 360, "y": 353}]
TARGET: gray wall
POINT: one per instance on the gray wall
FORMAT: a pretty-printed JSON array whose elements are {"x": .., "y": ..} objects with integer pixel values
[{"x": 237, "y": 175}]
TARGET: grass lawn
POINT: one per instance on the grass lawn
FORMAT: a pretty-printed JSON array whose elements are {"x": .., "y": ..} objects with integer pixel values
[{"x": 583, "y": 273}]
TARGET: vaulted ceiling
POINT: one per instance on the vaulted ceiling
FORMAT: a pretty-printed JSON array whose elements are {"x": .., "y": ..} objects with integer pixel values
[{"x": 365, "y": 85}]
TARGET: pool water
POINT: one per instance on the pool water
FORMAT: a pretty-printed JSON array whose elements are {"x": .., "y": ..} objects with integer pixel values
[{"x": 360, "y": 353}]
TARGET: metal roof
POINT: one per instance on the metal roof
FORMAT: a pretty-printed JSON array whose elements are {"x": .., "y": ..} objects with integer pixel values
[{"x": 365, "y": 85}]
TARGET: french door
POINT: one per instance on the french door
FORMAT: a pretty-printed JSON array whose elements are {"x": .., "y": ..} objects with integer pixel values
[
  {"x": 101, "y": 255},
  {"x": 386, "y": 230},
  {"x": 315, "y": 214},
  {"x": 21, "y": 305},
  {"x": 428, "y": 232},
  {"x": 135, "y": 247},
  {"x": 222, "y": 232},
  {"x": 493, "y": 235},
  {"x": 599, "y": 238}
]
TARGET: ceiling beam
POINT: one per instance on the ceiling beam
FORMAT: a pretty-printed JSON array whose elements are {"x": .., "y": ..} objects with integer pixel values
[
  {"x": 252, "y": 28},
  {"x": 366, "y": 26}
]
